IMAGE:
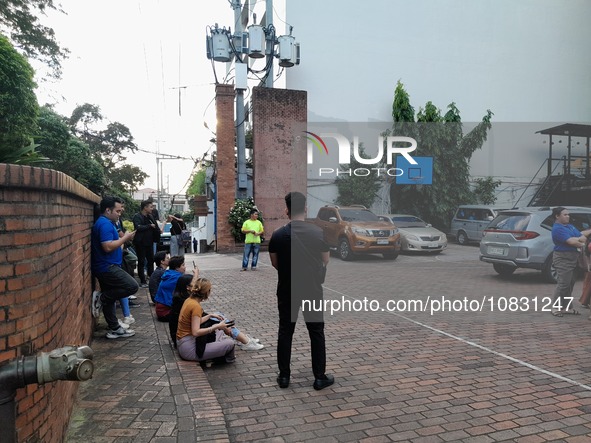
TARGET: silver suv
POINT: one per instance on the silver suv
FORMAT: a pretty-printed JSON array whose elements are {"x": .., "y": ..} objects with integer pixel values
[{"x": 522, "y": 238}]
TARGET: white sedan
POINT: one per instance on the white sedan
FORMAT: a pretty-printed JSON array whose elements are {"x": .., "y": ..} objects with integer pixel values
[{"x": 417, "y": 235}]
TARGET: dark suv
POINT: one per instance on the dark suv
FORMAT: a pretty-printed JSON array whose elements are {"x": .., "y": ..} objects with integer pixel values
[{"x": 522, "y": 238}]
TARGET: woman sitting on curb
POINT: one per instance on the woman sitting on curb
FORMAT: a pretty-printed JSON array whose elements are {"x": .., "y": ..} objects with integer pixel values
[
  {"x": 163, "y": 298},
  {"x": 198, "y": 342}
]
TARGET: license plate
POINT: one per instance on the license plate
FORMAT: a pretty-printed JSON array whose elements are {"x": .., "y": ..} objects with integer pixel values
[
  {"x": 496, "y": 251},
  {"x": 433, "y": 245},
  {"x": 382, "y": 241}
]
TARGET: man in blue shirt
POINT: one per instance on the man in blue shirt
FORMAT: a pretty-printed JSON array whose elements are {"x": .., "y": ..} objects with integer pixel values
[
  {"x": 567, "y": 242},
  {"x": 106, "y": 258}
]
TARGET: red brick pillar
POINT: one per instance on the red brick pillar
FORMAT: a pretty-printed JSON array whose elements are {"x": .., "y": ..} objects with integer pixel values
[
  {"x": 225, "y": 170},
  {"x": 279, "y": 151}
]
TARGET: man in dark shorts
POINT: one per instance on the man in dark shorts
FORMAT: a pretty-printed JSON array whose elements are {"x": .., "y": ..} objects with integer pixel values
[{"x": 298, "y": 251}]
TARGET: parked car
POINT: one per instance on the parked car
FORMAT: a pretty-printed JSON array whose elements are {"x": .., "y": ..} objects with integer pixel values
[
  {"x": 470, "y": 221},
  {"x": 356, "y": 230},
  {"x": 417, "y": 235},
  {"x": 522, "y": 238},
  {"x": 164, "y": 243}
]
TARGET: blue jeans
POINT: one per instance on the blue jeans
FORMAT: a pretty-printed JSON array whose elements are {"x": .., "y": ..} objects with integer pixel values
[
  {"x": 251, "y": 248},
  {"x": 125, "y": 306}
]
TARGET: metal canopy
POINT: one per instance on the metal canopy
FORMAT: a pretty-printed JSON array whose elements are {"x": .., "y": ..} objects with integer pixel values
[{"x": 568, "y": 129}]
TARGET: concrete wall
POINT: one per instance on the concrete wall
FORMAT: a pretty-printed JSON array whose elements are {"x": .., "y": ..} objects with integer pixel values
[
  {"x": 279, "y": 152},
  {"x": 45, "y": 285}
]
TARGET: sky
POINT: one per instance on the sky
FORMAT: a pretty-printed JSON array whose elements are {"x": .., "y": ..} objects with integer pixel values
[{"x": 129, "y": 58}]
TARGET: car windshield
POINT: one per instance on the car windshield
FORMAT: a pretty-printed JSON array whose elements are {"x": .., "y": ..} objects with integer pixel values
[
  {"x": 408, "y": 221},
  {"x": 510, "y": 222},
  {"x": 351, "y": 215}
]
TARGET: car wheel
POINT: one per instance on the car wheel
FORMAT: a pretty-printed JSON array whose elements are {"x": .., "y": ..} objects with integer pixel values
[
  {"x": 462, "y": 238},
  {"x": 390, "y": 255},
  {"x": 504, "y": 270},
  {"x": 345, "y": 250},
  {"x": 548, "y": 271}
]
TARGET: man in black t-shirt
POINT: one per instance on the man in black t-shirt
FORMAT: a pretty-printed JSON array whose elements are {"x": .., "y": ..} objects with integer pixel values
[
  {"x": 146, "y": 231},
  {"x": 297, "y": 250}
]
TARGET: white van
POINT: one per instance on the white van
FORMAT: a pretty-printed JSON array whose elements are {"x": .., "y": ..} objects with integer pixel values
[{"x": 470, "y": 221}]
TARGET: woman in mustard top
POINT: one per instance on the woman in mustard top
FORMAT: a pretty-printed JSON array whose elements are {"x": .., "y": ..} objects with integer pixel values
[{"x": 202, "y": 336}]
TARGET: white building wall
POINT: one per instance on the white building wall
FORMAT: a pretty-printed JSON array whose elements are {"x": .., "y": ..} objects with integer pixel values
[{"x": 526, "y": 60}]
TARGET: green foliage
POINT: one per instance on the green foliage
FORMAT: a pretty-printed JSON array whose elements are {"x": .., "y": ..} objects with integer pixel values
[
  {"x": 19, "y": 19},
  {"x": 67, "y": 153},
  {"x": 485, "y": 190},
  {"x": 18, "y": 103},
  {"x": 197, "y": 186},
  {"x": 22, "y": 156},
  {"x": 441, "y": 137},
  {"x": 128, "y": 225},
  {"x": 357, "y": 190},
  {"x": 108, "y": 145},
  {"x": 239, "y": 213}
]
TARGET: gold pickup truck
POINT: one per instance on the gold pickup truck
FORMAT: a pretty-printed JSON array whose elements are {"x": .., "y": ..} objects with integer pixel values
[{"x": 355, "y": 230}]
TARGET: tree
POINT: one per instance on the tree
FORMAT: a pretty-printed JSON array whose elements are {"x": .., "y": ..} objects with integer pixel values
[
  {"x": 197, "y": 186},
  {"x": 484, "y": 190},
  {"x": 18, "y": 18},
  {"x": 357, "y": 190},
  {"x": 67, "y": 153},
  {"x": 108, "y": 145},
  {"x": 18, "y": 103},
  {"x": 441, "y": 137}
]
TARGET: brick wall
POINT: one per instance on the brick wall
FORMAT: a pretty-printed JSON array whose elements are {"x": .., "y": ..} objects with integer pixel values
[
  {"x": 225, "y": 166},
  {"x": 279, "y": 152},
  {"x": 45, "y": 285}
]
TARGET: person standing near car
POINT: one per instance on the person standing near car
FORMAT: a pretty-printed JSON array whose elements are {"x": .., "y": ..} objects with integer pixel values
[
  {"x": 567, "y": 242},
  {"x": 147, "y": 230},
  {"x": 253, "y": 229},
  {"x": 177, "y": 226},
  {"x": 297, "y": 250}
]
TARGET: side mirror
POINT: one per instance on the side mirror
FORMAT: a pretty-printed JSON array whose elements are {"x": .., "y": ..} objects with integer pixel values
[
  {"x": 332, "y": 219},
  {"x": 489, "y": 218}
]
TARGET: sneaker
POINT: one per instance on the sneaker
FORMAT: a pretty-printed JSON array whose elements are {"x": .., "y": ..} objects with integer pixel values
[
  {"x": 120, "y": 333},
  {"x": 256, "y": 340},
  {"x": 123, "y": 325},
  {"x": 143, "y": 285},
  {"x": 251, "y": 346},
  {"x": 133, "y": 297},
  {"x": 133, "y": 304},
  {"x": 128, "y": 320},
  {"x": 96, "y": 304}
]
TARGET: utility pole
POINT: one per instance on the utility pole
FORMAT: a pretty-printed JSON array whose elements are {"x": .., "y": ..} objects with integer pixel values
[
  {"x": 258, "y": 42},
  {"x": 240, "y": 114},
  {"x": 270, "y": 42},
  {"x": 160, "y": 176}
]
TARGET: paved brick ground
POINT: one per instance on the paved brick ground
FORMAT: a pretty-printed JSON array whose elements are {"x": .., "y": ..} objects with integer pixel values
[{"x": 400, "y": 376}]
